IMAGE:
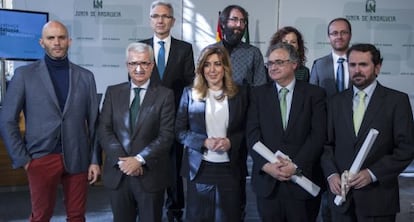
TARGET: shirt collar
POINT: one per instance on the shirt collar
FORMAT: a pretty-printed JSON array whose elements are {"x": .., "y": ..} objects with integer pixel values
[
  {"x": 369, "y": 90},
  {"x": 290, "y": 86},
  {"x": 167, "y": 41},
  {"x": 336, "y": 57},
  {"x": 143, "y": 86}
]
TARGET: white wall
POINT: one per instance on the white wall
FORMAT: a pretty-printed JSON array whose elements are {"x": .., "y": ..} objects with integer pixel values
[{"x": 197, "y": 22}]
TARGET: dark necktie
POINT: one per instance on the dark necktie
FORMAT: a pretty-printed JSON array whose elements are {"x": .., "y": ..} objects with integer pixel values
[
  {"x": 340, "y": 75},
  {"x": 283, "y": 106},
  {"x": 161, "y": 59},
  {"x": 134, "y": 109}
]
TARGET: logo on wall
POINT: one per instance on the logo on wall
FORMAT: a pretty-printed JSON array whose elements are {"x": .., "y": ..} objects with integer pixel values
[
  {"x": 97, "y": 3},
  {"x": 370, "y": 6}
]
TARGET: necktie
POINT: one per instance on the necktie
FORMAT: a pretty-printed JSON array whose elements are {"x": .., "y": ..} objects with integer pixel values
[
  {"x": 283, "y": 92},
  {"x": 133, "y": 110},
  {"x": 359, "y": 111},
  {"x": 161, "y": 59},
  {"x": 340, "y": 75}
]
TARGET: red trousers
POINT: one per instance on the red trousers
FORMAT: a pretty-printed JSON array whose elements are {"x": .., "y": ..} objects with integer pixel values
[{"x": 45, "y": 174}]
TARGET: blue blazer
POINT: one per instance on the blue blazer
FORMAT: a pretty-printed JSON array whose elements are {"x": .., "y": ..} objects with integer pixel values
[
  {"x": 190, "y": 127},
  {"x": 31, "y": 91}
]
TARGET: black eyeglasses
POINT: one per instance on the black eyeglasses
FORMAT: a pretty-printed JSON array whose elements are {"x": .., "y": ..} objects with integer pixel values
[
  {"x": 134, "y": 65},
  {"x": 156, "y": 16},
  {"x": 237, "y": 20},
  {"x": 336, "y": 33},
  {"x": 277, "y": 62}
]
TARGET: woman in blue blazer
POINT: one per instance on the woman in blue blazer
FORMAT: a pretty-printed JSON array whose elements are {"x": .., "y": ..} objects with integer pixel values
[{"x": 210, "y": 124}]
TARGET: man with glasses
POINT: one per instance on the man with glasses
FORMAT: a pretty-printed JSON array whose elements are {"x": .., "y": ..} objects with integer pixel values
[
  {"x": 136, "y": 130},
  {"x": 246, "y": 62},
  {"x": 174, "y": 69},
  {"x": 288, "y": 116},
  {"x": 331, "y": 71}
]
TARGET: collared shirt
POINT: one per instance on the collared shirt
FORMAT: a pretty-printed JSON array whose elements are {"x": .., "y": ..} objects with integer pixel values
[
  {"x": 369, "y": 91},
  {"x": 142, "y": 93},
  {"x": 289, "y": 96},
  {"x": 345, "y": 63},
  {"x": 167, "y": 46}
]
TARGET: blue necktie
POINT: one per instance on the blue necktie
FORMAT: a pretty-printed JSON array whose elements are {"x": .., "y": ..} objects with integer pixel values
[
  {"x": 161, "y": 59},
  {"x": 134, "y": 109},
  {"x": 340, "y": 75}
]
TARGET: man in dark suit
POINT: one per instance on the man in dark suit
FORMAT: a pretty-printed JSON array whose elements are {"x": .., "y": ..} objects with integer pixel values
[
  {"x": 178, "y": 73},
  {"x": 374, "y": 190},
  {"x": 324, "y": 71},
  {"x": 137, "y": 146},
  {"x": 60, "y": 106},
  {"x": 287, "y": 115}
]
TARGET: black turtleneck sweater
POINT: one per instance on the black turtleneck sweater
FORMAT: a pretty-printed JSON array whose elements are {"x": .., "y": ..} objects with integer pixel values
[{"x": 59, "y": 74}]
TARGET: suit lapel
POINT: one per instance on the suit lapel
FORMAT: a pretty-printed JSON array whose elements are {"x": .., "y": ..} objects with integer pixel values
[
  {"x": 47, "y": 82},
  {"x": 155, "y": 76},
  {"x": 233, "y": 111},
  {"x": 73, "y": 81},
  {"x": 373, "y": 108},
  {"x": 345, "y": 107},
  {"x": 145, "y": 108},
  {"x": 295, "y": 109},
  {"x": 273, "y": 109},
  {"x": 172, "y": 55}
]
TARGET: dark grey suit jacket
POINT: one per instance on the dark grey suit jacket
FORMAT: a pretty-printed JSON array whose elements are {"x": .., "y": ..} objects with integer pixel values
[
  {"x": 151, "y": 139},
  {"x": 302, "y": 140},
  {"x": 191, "y": 131},
  {"x": 31, "y": 91},
  {"x": 179, "y": 70},
  {"x": 389, "y": 112}
]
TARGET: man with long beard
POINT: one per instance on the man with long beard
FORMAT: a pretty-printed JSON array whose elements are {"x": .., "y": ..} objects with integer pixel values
[{"x": 246, "y": 62}]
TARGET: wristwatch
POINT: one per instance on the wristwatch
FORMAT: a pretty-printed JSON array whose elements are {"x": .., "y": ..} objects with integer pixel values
[{"x": 298, "y": 172}]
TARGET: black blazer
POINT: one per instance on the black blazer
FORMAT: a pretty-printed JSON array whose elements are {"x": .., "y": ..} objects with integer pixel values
[
  {"x": 190, "y": 129},
  {"x": 179, "y": 70},
  {"x": 389, "y": 112},
  {"x": 151, "y": 139},
  {"x": 302, "y": 140}
]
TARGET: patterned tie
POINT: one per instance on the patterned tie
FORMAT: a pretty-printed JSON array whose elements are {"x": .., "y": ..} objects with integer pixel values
[
  {"x": 161, "y": 59},
  {"x": 359, "y": 111},
  {"x": 283, "y": 92},
  {"x": 134, "y": 109},
  {"x": 340, "y": 75}
]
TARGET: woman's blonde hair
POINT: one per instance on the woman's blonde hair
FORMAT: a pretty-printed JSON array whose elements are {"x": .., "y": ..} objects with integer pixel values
[{"x": 200, "y": 85}]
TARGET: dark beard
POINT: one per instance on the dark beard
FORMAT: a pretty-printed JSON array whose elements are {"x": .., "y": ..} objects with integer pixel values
[{"x": 231, "y": 37}]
